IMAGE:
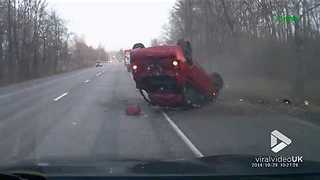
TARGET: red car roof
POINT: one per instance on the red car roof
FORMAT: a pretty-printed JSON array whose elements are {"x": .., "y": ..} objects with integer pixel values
[{"x": 158, "y": 51}]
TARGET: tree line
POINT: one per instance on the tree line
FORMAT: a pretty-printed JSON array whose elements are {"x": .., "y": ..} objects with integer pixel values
[
  {"x": 246, "y": 37},
  {"x": 35, "y": 42}
]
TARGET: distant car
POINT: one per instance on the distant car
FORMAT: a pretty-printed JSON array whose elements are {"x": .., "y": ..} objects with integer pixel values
[
  {"x": 127, "y": 60},
  {"x": 99, "y": 64},
  {"x": 167, "y": 76}
]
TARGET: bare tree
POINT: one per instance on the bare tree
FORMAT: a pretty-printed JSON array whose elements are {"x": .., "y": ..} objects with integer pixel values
[
  {"x": 35, "y": 42},
  {"x": 251, "y": 37}
]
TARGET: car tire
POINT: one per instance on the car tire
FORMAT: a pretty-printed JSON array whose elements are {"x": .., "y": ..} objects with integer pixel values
[
  {"x": 217, "y": 81},
  {"x": 138, "y": 45}
]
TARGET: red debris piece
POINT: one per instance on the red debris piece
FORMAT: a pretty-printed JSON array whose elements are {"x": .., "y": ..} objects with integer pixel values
[{"x": 133, "y": 110}]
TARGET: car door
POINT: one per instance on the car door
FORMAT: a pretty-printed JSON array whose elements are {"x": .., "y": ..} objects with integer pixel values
[{"x": 199, "y": 79}]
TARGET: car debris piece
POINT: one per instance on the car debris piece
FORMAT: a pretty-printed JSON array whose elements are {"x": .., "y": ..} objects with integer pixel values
[
  {"x": 261, "y": 101},
  {"x": 133, "y": 110},
  {"x": 286, "y": 101}
]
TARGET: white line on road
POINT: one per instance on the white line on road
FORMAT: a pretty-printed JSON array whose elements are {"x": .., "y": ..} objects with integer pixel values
[
  {"x": 98, "y": 74},
  {"x": 42, "y": 84},
  {"x": 60, "y": 97},
  {"x": 185, "y": 139}
]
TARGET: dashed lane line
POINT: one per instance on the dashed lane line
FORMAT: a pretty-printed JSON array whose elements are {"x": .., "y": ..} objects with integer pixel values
[{"x": 61, "y": 96}]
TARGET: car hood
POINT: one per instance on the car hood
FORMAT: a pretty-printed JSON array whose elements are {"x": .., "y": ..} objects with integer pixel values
[{"x": 214, "y": 165}]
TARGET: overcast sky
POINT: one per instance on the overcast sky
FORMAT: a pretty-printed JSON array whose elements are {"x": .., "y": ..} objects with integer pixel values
[{"x": 115, "y": 24}]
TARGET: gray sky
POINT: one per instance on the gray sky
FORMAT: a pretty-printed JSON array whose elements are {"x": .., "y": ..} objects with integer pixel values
[{"x": 114, "y": 23}]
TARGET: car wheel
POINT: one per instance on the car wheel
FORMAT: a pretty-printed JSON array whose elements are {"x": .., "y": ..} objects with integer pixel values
[
  {"x": 217, "y": 81},
  {"x": 145, "y": 96},
  {"x": 138, "y": 45}
]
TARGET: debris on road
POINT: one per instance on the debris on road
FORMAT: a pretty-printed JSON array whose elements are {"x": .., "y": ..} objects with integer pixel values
[
  {"x": 286, "y": 101},
  {"x": 196, "y": 105},
  {"x": 261, "y": 101},
  {"x": 241, "y": 100},
  {"x": 306, "y": 103},
  {"x": 133, "y": 110}
]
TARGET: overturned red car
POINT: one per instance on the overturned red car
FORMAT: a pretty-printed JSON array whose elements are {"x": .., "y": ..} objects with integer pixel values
[{"x": 166, "y": 76}]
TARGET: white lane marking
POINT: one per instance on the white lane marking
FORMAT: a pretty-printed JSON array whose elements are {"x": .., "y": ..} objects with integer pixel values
[
  {"x": 61, "y": 96},
  {"x": 185, "y": 139},
  {"x": 42, "y": 84},
  {"x": 87, "y": 81},
  {"x": 43, "y": 164},
  {"x": 98, "y": 74}
]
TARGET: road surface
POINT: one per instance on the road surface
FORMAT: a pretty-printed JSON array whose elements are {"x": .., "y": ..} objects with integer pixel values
[{"x": 82, "y": 114}]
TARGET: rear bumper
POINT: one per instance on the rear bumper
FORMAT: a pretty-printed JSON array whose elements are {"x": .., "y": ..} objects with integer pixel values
[
  {"x": 167, "y": 99},
  {"x": 163, "y": 90},
  {"x": 144, "y": 81}
]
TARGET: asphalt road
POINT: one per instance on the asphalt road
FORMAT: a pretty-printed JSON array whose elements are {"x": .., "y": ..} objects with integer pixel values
[{"x": 82, "y": 114}]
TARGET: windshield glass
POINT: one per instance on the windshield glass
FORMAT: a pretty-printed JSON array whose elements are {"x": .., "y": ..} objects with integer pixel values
[{"x": 242, "y": 79}]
